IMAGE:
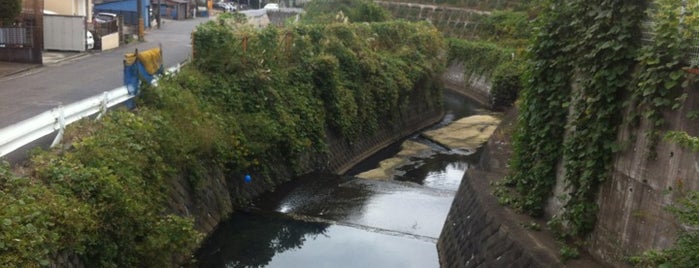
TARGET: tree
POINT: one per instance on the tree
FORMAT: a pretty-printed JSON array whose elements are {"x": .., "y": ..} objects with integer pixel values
[{"x": 9, "y": 9}]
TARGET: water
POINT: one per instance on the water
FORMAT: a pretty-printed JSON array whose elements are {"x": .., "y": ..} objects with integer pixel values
[
  {"x": 268, "y": 240},
  {"x": 325, "y": 220}
]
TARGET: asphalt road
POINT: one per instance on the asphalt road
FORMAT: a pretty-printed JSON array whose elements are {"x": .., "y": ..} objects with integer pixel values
[{"x": 41, "y": 89}]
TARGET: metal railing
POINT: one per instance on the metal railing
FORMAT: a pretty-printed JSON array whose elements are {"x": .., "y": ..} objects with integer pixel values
[
  {"x": 20, "y": 134},
  {"x": 16, "y": 36}
]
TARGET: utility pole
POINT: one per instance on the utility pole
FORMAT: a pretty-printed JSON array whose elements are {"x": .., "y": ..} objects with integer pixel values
[
  {"x": 158, "y": 16},
  {"x": 141, "y": 29}
]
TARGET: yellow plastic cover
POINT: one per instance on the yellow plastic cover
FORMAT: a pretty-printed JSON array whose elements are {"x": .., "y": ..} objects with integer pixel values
[{"x": 150, "y": 59}]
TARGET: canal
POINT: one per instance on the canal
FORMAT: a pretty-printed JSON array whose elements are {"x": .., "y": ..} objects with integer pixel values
[{"x": 360, "y": 219}]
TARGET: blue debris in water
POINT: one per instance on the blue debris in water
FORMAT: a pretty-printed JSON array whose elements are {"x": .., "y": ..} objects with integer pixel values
[{"x": 248, "y": 179}]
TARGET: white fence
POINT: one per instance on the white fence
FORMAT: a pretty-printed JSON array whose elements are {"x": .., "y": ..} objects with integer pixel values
[{"x": 20, "y": 134}]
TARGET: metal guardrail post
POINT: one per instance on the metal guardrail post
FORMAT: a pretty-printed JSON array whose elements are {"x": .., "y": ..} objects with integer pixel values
[
  {"x": 61, "y": 126},
  {"x": 103, "y": 105}
]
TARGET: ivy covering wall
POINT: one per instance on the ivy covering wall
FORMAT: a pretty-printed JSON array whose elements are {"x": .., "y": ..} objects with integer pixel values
[
  {"x": 256, "y": 102},
  {"x": 587, "y": 64},
  {"x": 582, "y": 60}
]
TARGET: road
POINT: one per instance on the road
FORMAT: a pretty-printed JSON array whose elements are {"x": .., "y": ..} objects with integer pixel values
[{"x": 38, "y": 90}]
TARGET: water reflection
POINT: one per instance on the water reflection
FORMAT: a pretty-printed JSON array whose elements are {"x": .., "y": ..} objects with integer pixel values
[
  {"x": 349, "y": 247},
  {"x": 256, "y": 239},
  {"x": 322, "y": 195},
  {"x": 457, "y": 106},
  {"x": 440, "y": 171},
  {"x": 252, "y": 239}
]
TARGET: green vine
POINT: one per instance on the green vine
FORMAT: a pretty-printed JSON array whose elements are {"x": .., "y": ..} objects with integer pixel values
[
  {"x": 608, "y": 33},
  {"x": 543, "y": 111},
  {"x": 685, "y": 252},
  {"x": 683, "y": 139},
  {"x": 328, "y": 11},
  {"x": 479, "y": 58},
  {"x": 582, "y": 59},
  {"x": 660, "y": 76},
  {"x": 503, "y": 66}
]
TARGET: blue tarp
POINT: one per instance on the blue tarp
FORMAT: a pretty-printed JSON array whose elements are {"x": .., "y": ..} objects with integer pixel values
[
  {"x": 127, "y": 9},
  {"x": 143, "y": 66}
]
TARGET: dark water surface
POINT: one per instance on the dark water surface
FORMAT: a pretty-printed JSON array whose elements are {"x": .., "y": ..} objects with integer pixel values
[{"x": 325, "y": 220}]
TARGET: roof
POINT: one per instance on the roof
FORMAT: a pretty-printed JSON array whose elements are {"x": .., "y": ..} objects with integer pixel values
[{"x": 124, "y": 5}]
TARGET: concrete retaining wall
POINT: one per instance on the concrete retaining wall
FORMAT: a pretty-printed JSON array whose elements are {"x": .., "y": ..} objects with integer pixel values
[
  {"x": 213, "y": 199},
  {"x": 632, "y": 217},
  {"x": 479, "y": 232},
  {"x": 452, "y": 21},
  {"x": 474, "y": 86}
]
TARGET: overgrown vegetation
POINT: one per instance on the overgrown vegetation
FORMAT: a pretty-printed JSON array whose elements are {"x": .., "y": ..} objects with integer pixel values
[
  {"x": 506, "y": 28},
  {"x": 361, "y": 73},
  {"x": 585, "y": 60},
  {"x": 254, "y": 102},
  {"x": 328, "y": 11},
  {"x": 475, "y": 4},
  {"x": 685, "y": 252},
  {"x": 660, "y": 86},
  {"x": 9, "y": 10},
  {"x": 661, "y": 78},
  {"x": 499, "y": 64},
  {"x": 582, "y": 58},
  {"x": 494, "y": 52},
  {"x": 104, "y": 200},
  {"x": 543, "y": 112}
]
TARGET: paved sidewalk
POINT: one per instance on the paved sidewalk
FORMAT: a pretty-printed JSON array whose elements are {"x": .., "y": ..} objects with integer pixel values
[
  {"x": 27, "y": 90},
  {"x": 49, "y": 58},
  {"x": 10, "y": 68}
]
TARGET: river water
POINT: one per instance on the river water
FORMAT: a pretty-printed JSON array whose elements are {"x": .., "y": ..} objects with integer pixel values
[{"x": 325, "y": 220}]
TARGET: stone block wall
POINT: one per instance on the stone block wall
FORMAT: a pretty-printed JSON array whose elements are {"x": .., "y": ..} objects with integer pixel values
[
  {"x": 479, "y": 232},
  {"x": 452, "y": 21},
  {"x": 475, "y": 236}
]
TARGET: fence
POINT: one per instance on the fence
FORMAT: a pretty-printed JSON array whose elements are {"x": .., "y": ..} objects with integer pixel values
[
  {"x": 16, "y": 36},
  {"x": 20, "y": 134},
  {"x": 105, "y": 28}
]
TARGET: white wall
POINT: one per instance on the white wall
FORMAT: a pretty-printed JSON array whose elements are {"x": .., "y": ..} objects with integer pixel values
[
  {"x": 110, "y": 41},
  {"x": 66, "y": 33}
]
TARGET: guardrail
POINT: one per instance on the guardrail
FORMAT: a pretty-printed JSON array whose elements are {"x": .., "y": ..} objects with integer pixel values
[{"x": 20, "y": 134}]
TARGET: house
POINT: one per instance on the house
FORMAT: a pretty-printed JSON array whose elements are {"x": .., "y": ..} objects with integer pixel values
[
  {"x": 174, "y": 9},
  {"x": 127, "y": 9},
  {"x": 69, "y": 7}
]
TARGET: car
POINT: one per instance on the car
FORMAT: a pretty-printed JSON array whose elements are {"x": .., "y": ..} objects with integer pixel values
[
  {"x": 89, "y": 40},
  {"x": 271, "y": 6},
  {"x": 224, "y": 6},
  {"x": 103, "y": 17},
  {"x": 232, "y": 6}
]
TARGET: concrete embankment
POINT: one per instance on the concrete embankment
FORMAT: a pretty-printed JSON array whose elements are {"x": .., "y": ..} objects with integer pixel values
[{"x": 479, "y": 232}]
